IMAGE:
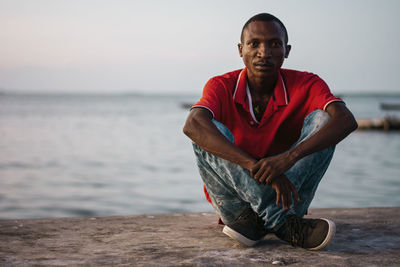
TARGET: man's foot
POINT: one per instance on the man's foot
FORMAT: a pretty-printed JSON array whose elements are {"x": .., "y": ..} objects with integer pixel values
[
  {"x": 311, "y": 234},
  {"x": 248, "y": 229}
]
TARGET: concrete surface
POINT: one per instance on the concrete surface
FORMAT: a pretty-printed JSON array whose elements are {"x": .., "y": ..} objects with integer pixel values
[{"x": 365, "y": 237}]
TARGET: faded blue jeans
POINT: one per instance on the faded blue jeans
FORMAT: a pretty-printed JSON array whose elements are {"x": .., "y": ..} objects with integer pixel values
[{"x": 232, "y": 190}]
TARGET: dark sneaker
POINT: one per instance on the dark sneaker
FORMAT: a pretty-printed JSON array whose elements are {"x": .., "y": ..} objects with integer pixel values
[
  {"x": 311, "y": 234},
  {"x": 248, "y": 229}
]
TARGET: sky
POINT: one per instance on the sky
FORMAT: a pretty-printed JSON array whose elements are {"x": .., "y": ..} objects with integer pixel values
[{"x": 98, "y": 46}]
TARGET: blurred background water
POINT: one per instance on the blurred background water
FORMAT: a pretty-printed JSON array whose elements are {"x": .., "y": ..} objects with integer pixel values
[{"x": 95, "y": 155}]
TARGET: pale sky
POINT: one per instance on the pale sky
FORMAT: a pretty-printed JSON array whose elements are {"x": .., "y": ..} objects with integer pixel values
[{"x": 176, "y": 46}]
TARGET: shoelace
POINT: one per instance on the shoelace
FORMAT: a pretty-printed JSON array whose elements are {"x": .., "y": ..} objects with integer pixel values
[{"x": 297, "y": 228}]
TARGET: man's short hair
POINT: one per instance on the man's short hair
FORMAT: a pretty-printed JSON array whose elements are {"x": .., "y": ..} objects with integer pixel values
[{"x": 265, "y": 17}]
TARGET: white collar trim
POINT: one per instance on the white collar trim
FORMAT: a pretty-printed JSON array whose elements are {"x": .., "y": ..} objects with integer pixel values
[{"x": 250, "y": 103}]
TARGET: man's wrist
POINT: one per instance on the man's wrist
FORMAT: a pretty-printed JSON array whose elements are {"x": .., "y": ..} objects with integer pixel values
[
  {"x": 249, "y": 164},
  {"x": 295, "y": 154}
]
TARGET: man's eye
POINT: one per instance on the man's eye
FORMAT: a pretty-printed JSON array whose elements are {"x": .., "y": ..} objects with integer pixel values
[
  {"x": 276, "y": 44},
  {"x": 254, "y": 44}
]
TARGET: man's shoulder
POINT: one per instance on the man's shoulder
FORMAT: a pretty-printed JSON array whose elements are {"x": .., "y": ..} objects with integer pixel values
[
  {"x": 227, "y": 78},
  {"x": 299, "y": 77}
]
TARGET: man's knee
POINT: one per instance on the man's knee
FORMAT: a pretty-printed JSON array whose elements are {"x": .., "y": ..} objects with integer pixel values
[
  {"x": 318, "y": 118},
  {"x": 224, "y": 130},
  {"x": 313, "y": 123}
]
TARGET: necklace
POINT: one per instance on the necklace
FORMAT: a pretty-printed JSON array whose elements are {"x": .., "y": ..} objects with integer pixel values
[{"x": 259, "y": 108}]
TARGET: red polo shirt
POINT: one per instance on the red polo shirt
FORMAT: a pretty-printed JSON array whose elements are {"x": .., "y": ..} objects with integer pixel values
[{"x": 296, "y": 94}]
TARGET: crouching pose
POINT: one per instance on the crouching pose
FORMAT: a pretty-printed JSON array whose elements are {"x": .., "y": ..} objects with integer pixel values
[{"x": 263, "y": 137}]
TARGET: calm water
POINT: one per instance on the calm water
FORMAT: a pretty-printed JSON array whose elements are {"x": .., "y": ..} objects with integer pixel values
[{"x": 115, "y": 155}]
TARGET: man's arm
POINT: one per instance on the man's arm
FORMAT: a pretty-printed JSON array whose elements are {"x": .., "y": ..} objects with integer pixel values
[
  {"x": 205, "y": 134},
  {"x": 340, "y": 124}
]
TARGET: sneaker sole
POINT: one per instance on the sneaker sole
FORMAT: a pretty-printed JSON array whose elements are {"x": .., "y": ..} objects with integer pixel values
[
  {"x": 329, "y": 236},
  {"x": 239, "y": 237}
]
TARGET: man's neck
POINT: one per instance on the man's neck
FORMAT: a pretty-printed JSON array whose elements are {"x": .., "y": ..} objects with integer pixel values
[{"x": 260, "y": 87}]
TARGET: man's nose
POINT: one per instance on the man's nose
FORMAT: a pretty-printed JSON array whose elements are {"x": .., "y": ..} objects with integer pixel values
[{"x": 264, "y": 51}]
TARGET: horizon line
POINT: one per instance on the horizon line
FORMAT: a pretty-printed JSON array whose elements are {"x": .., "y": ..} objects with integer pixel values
[{"x": 150, "y": 93}]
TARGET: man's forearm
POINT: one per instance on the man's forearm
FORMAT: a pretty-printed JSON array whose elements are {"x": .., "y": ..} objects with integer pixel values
[{"x": 340, "y": 125}]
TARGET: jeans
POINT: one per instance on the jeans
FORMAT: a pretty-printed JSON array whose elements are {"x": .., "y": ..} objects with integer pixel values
[{"x": 232, "y": 190}]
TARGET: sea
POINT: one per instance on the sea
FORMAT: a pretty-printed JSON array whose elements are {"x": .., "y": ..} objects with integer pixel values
[{"x": 68, "y": 155}]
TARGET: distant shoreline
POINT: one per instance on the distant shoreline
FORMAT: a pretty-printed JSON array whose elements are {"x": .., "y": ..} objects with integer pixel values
[{"x": 166, "y": 94}]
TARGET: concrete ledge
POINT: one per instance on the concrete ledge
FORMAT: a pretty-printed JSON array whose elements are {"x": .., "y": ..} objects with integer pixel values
[
  {"x": 365, "y": 237},
  {"x": 386, "y": 124}
]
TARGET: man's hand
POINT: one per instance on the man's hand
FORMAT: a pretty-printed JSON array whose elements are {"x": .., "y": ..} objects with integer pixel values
[
  {"x": 267, "y": 169},
  {"x": 270, "y": 171},
  {"x": 284, "y": 190}
]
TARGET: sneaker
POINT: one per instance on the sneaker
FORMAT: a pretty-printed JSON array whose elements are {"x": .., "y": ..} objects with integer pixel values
[
  {"x": 248, "y": 229},
  {"x": 311, "y": 234}
]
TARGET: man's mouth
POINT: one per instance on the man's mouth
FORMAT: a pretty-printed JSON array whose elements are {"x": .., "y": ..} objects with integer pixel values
[{"x": 263, "y": 65}]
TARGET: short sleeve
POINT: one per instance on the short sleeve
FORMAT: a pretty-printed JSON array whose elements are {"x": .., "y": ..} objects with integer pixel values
[
  {"x": 320, "y": 95},
  {"x": 212, "y": 98}
]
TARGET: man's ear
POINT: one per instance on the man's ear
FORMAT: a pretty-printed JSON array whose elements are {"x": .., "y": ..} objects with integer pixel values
[
  {"x": 288, "y": 47},
  {"x": 240, "y": 48}
]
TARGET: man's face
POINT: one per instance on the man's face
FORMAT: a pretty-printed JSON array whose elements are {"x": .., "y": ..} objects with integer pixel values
[{"x": 263, "y": 48}]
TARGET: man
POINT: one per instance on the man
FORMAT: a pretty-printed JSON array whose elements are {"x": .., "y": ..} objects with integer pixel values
[{"x": 263, "y": 137}]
